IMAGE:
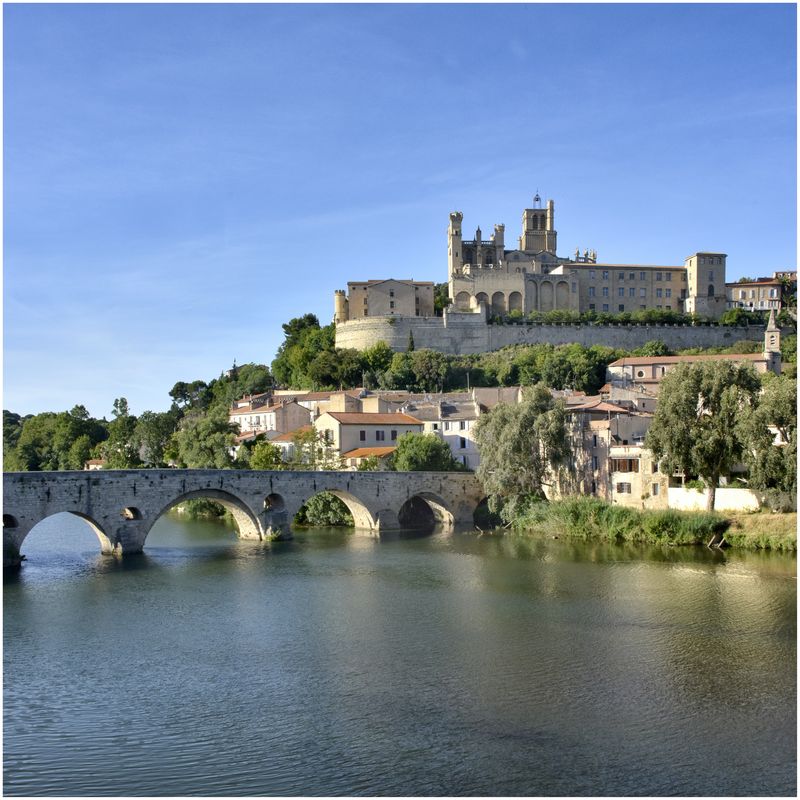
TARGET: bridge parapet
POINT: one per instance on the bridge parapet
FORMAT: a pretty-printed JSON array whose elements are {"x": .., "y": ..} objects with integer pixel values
[{"x": 123, "y": 505}]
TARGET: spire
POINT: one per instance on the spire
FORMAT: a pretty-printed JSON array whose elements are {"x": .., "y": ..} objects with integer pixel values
[{"x": 771, "y": 324}]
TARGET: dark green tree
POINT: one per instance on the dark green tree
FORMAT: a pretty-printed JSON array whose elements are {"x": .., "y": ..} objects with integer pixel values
[
  {"x": 524, "y": 448},
  {"x": 696, "y": 426},
  {"x": 769, "y": 432},
  {"x": 419, "y": 452}
]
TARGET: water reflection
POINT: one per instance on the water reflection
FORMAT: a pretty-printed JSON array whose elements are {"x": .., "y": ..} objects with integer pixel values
[{"x": 445, "y": 664}]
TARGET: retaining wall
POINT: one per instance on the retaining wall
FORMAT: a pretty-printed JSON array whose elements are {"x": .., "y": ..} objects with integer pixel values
[{"x": 462, "y": 334}]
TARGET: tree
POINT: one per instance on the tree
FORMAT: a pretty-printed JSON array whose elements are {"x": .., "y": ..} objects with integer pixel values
[
  {"x": 441, "y": 298},
  {"x": 654, "y": 347},
  {"x": 266, "y": 455},
  {"x": 369, "y": 464},
  {"x": 121, "y": 450},
  {"x": 773, "y": 466},
  {"x": 410, "y": 348},
  {"x": 696, "y": 426},
  {"x": 325, "y": 509},
  {"x": 152, "y": 434},
  {"x": 204, "y": 441},
  {"x": 524, "y": 448},
  {"x": 313, "y": 451},
  {"x": 419, "y": 452}
]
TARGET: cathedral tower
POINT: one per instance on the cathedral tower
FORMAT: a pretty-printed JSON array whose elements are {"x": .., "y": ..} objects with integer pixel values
[{"x": 538, "y": 231}]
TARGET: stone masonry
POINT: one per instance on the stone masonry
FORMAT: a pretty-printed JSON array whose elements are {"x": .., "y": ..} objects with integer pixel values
[{"x": 122, "y": 506}]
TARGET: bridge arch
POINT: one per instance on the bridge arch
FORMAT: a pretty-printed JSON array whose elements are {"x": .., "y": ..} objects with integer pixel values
[
  {"x": 362, "y": 516},
  {"x": 425, "y": 509},
  {"x": 245, "y": 518},
  {"x": 106, "y": 545}
]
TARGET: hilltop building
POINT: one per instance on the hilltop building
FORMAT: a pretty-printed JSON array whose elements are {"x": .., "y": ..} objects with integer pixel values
[{"x": 532, "y": 277}]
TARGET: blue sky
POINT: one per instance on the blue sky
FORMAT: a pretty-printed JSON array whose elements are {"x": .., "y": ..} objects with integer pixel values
[{"x": 182, "y": 179}]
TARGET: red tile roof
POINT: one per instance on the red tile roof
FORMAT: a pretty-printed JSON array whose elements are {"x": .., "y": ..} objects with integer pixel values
[
  {"x": 366, "y": 452},
  {"x": 644, "y": 360},
  {"x": 365, "y": 418},
  {"x": 288, "y": 437}
]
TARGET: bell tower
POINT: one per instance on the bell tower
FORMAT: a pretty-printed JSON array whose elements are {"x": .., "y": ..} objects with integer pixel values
[
  {"x": 455, "y": 252},
  {"x": 538, "y": 227}
]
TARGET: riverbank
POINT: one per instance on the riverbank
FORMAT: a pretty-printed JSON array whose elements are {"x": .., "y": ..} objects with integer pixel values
[{"x": 590, "y": 519}]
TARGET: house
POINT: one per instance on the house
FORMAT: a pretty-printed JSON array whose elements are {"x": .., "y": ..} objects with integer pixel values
[
  {"x": 347, "y": 431},
  {"x": 273, "y": 419},
  {"x": 762, "y": 294}
]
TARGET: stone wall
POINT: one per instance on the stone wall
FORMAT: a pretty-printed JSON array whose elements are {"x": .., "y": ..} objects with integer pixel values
[
  {"x": 460, "y": 334},
  {"x": 725, "y": 499}
]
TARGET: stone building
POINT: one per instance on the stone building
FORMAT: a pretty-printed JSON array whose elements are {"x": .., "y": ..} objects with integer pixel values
[
  {"x": 384, "y": 298},
  {"x": 533, "y": 277},
  {"x": 762, "y": 294}
]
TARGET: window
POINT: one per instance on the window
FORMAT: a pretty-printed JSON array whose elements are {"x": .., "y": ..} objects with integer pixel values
[
  {"x": 362, "y": 436},
  {"x": 605, "y": 291},
  {"x": 574, "y": 287},
  {"x": 594, "y": 440},
  {"x": 591, "y": 275},
  {"x": 655, "y": 490},
  {"x": 591, "y": 306},
  {"x": 668, "y": 307},
  {"x": 591, "y": 291},
  {"x": 462, "y": 425},
  {"x": 772, "y": 293},
  {"x": 595, "y": 463},
  {"x": 621, "y": 291},
  {"x": 621, "y": 276},
  {"x": 391, "y": 304},
  {"x": 642, "y": 276},
  {"x": 462, "y": 442},
  {"x": 631, "y": 292},
  {"x": 642, "y": 292},
  {"x": 391, "y": 294},
  {"x": 658, "y": 293},
  {"x": 605, "y": 274},
  {"x": 380, "y": 436},
  {"x": 643, "y": 308},
  {"x": 594, "y": 487},
  {"x": 435, "y": 426},
  {"x": 658, "y": 276},
  {"x": 605, "y": 306},
  {"x": 620, "y": 307},
  {"x": 711, "y": 275},
  {"x": 655, "y": 466},
  {"x": 623, "y": 488},
  {"x": 667, "y": 292},
  {"x": 668, "y": 276},
  {"x": 365, "y": 301},
  {"x": 393, "y": 436},
  {"x": 631, "y": 276}
]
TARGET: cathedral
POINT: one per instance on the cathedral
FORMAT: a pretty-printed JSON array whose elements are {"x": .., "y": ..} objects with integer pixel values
[{"x": 532, "y": 277}]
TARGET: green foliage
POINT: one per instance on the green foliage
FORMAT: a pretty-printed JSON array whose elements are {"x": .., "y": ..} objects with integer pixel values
[
  {"x": 201, "y": 508},
  {"x": 50, "y": 441},
  {"x": 590, "y": 518},
  {"x": 736, "y": 316},
  {"x": 266, "y": 456},
  {"x": 325, "y": 510},
  {"x": 440, "y": 298},
  {"x": 789, "y": 349},
  {"x": 654, "y": 347},
  {"x": 120, "y": 450},
  {"x": 418, "y": 452},
  {"x": 152, "y": 434},
  {"x": 369, "y": 464},
  {"x": 772, "y": 469},
  {"x": 523, "y": 448},
  {"x": 696, "y": 427},
  {"x": 204, "y": 441}
]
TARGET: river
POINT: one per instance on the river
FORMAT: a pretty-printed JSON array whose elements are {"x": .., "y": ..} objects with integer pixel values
[{"x": 444, "y": 664}]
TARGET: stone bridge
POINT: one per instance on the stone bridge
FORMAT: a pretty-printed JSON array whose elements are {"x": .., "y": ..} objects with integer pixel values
[{"x": 121, "y": 506}]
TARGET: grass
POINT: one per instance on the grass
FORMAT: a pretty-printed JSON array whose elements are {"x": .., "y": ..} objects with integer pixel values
[
  {"x": 763, "y": 530},
  {"x": 591, "y": 519}
]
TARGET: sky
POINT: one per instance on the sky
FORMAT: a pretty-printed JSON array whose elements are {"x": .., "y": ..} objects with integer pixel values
[{"x": 180, "y": 180}]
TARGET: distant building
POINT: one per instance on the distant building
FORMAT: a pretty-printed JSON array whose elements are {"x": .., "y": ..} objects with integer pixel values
[
  {"x": 384, "y": 298},
  {"x": 762, "y": 294}
]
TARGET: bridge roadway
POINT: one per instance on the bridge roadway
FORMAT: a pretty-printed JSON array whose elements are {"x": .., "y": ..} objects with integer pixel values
[{"x": 122, "y": 506}]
